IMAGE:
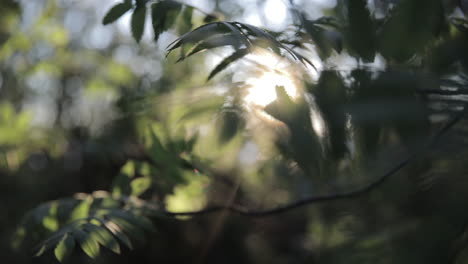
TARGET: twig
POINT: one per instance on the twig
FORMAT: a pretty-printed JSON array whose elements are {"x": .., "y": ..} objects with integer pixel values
[{"x": 330, "y": 197}]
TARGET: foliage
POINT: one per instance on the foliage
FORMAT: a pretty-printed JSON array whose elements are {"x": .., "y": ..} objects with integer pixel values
[{"x": 381, "y": 84}]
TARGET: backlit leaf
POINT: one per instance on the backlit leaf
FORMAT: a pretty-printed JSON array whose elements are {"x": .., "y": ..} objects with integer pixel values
[
  {"x": 118, "y": 232},
  {"x": 103, "y": 237},
  {"x": 65, "y": 247},
  {"x": 81, "y": 210},
  {"x": 137, "y": 220},
  {"x": 129, "y": 228},
  {"x": 87, "y": 243},
  {"x": 140, "y": 185}
]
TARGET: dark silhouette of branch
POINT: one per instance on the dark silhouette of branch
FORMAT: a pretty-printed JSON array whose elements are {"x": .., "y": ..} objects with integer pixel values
[
  {"x": 460, "y": 244},
  {"x": 443, "y": 92},
  {"x": 329, "y": 197}
]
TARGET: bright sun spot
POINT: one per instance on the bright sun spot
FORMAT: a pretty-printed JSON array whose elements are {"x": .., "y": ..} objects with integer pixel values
[
  {"x": 276, "y": 12},
  {"x": 263, "y": 88}
]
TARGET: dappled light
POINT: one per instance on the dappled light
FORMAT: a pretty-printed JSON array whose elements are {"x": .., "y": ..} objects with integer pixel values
[{"x": 219, "y": 131}]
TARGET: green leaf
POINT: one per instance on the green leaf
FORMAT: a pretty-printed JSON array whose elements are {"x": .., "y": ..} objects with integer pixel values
[
  {"x": 129, "y": 228},
  {"x": 138, "y": 22},
  {"x": 116, "y": 12},
  {"x": 103, "y": 237},
  {"x": 203, "y": 107},
  {"x": 157, "y": 149},
  {"x": 117, "y": 231},
  {"x": 137, "y": 220},
  {"x": 42, "y": 249},
  {"x": 238, "y": 54},
  {"x": 89, "y": 245},
  {"x": 121, "y": 185},
  {"x": 163, "y": 15},
  {"x": 186, "y": 23},
  {"x": 81, "y": 210},
  {"x": 140, "y": 185},
  {"x": 53, "y": 240},
  {"x": 65, "y": 247}
]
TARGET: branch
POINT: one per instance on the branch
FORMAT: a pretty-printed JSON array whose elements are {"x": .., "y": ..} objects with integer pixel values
[
  {"x": 443, "y": 92},
  {"x": 460, "y": 244},
  {"x": 330, "y": 197}
]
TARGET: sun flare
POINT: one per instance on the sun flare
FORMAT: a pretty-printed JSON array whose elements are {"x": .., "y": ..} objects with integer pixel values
[{"x": 262, "y": 89}]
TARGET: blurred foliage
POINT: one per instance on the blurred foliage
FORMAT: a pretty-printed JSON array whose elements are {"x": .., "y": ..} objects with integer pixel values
[{"x": 110, "y": 142}]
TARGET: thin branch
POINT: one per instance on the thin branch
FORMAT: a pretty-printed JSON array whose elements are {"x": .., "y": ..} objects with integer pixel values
[
  {"x": 330, "y": 197},
  {"x": 443, "y": 92},
  {"x": 460, "y": 245}
]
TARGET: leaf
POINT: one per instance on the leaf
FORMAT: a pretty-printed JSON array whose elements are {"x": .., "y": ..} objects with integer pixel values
[
  {"x": 53, "y": 240},
  {"x": 158, "y": 151},
  {"x": 325, "y": 40},
  {"x": 271, "y": 41},
  {"x": 301, "y": 144},
  {"x": 210, "y": 18},
  {"x": 330, "y": 95},
  {"x": 203, "y": 107},
  {"x": 87, "y": 243},
  {"x": 327, "y": 21},
  {"x": 65, "y": 247},
  {"x": 163, "y": 15},
  {"x": 81, "y": 210},
  {"x": 138, "y": 22},
  {"x": 237, "y": 33},
  {"x": 199, "y": 34},
  {"x": 410, "y": 28},
  {"x": 103, "y": 237},
  {"x": 138, "y": 220},
  {"x": 116, "y": 12},
  {"x": 283, "y": 107},
  {"x": 230, "y": 123},
  {"x": 121, "y": 185},
  {"x": 42, "y": 249},
  {"x": 360, "y": 33},
  {"x": 211, "y": 43},
  {"x": 117, "y": 231},
  {"x": 186, "y": 23},
  {"x": 129, "y": 228},
  {"x": 238, "y": 54},
  {"x": 140, "y": 185}
]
